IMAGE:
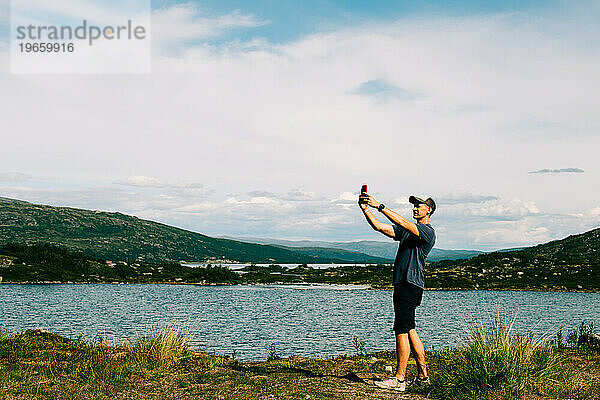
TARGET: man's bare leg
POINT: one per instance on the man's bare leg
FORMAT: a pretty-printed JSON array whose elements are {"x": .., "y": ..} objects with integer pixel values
[
  {"x": 419, "y": 349},
  {"x": 402, "y": 354}
]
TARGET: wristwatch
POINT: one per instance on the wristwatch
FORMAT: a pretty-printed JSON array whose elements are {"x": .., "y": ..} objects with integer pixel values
[{"x": 381, "y": 207}]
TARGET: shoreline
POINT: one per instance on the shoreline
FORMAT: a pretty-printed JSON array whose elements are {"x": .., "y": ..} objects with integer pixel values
[{"x": 353, "y": 286}]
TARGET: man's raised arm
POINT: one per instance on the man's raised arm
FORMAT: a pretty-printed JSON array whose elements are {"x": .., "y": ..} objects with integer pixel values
[
  {"x": 395, "y": 218},
  {"x": 386, "y": 229}
]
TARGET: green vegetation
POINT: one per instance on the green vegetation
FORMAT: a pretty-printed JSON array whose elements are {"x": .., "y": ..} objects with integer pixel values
[
  {"x": 492, "y": 365},
  {"x": 377, "y": 276},
  {"x": 115, "y": 236},
  {"x": 161, "y": 347},
  {"x": 572, "y": 263},
  {"x": 39, "y": 364},
  {"x": 580, "y": 337},
  {"x": 48, "y": 263},
  {"x": 509, "y": 365},
  {"x": 149, "y": 252}
]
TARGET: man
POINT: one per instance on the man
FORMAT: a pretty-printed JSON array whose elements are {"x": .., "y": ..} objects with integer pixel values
[{"x": 415, "y": 242}]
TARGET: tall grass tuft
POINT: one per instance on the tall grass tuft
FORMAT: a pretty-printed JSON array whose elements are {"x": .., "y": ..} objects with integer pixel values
[
  {"x": 497, "y": 363},
  {"x": 3, "y": 332},
  {"x": 161, "y": 347}
]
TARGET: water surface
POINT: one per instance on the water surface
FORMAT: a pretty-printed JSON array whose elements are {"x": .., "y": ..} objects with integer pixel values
[{"x": 311, "y": 321}]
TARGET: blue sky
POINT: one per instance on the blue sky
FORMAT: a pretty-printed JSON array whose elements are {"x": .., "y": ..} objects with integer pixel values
[
  {"x": 264, "y": 119},
  {"x": 289, "y": 20}
]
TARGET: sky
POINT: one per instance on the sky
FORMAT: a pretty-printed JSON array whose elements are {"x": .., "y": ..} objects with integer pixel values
[{"x": 264, "y": 118}]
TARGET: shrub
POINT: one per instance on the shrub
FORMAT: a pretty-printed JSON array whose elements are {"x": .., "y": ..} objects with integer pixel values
[
  {"x": 273, "y": 353},
  {"x": 359, "y": 346},
  {"x": 497, "y": 363},
  {"x": 161, "y": 347}
]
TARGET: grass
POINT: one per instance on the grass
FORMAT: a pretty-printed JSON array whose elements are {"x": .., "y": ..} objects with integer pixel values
[
  {"x": 500, "y": 364},
  {"x": 161, "y": 348},
  {"x": 493, "y": 364},
  {"x": 34, "y": 364}
]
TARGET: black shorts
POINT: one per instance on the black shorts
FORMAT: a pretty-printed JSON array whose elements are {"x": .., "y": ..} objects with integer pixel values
[{"x": 406, "y": 299}]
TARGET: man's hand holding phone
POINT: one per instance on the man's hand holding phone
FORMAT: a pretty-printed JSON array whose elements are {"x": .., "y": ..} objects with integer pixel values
[{"x": 363, "y": 199}]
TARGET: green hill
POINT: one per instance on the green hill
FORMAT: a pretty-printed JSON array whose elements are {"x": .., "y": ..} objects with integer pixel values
[
  {"x": 570, "y": 263},
  {"x": 116, "y": 236}
]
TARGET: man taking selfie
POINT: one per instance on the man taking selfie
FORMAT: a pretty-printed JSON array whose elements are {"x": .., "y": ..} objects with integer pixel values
[{"x": 415, "y": 241}]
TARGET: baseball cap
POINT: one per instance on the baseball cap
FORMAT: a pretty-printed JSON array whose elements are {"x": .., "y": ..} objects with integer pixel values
[{"x": 418, "y": 200}]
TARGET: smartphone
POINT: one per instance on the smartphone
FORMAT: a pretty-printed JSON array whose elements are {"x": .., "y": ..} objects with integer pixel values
[{"x": 363, "y": 190}]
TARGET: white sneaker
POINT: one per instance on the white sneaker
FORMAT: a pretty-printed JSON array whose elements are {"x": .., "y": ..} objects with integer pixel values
[{"x": 391, "y": 383}]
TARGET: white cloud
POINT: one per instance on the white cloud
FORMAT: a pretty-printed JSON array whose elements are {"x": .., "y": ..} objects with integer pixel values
[
  {"x": 557, "y": 171},
  {"x": 198, "y": 208},
  {"x": 494, "y": 97},
  {"x": 463, "y": 198},
  {"x": 95, "y": 198},
  {"x": 180, "y": 189},
  {"x": 523, "y": 233},
  {"x": 185, "y": 22},
  {"x": 142, "y": 181},
  {"x": 77, "y": 10},
  {"x": 513, "y": 208},
  {"x": 260, "y": 200},
  {"x": 261, "y": 193},
  {"x": 14, "y": 177},
  {"x": 346, "y": 197},
  {"x": 288, "y": 106},
  {"x": 253, "y": 201},
  {"x": 299, "y": 194},
  {"x": 501, "y": 223},
  {"x": 594, "y": 211},
  {"x": 593, "y": 215},
  {"x": 334, "y": 219}
]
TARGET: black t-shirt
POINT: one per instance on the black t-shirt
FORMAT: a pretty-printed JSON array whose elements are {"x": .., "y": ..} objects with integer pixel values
[{"x": 412, "y": 253}]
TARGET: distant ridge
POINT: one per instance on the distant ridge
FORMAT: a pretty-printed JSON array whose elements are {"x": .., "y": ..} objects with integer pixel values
[
  {"x": 116, "y": 236},
  {"x": 371, "y": 247}
]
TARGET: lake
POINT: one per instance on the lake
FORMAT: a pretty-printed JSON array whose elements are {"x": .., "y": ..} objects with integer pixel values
[{"x": 305, "y": 320}]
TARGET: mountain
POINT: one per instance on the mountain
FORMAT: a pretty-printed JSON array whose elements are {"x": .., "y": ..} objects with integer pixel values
[
  {"x": 351, "y": 257},
  {"x": 87, "y": 238},
  {"x": 370, "y": 247},
  {"x": 570, "y": 263},
  {"x": 116, "y": 236}
]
